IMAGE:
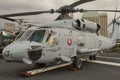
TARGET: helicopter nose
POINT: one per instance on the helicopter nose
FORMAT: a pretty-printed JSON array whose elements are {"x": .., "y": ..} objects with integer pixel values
[
  {"x": 23, "y": 52},
  {"x": 7, "y": 56},
  {"x": 15, "y": 52},
  {"x": 35, "y": 54}
]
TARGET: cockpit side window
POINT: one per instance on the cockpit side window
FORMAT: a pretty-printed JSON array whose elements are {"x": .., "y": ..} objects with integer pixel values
[{"x": 37, "y": 36}]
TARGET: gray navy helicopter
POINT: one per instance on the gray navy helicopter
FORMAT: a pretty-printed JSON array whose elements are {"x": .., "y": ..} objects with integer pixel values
[{"x": 62, "y": 40}]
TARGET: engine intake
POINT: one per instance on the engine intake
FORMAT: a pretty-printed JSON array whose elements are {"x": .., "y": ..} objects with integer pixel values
[{"x": 86, "y": 25}]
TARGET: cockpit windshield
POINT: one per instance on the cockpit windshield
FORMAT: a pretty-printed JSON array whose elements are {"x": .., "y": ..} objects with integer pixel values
[
  {"x": 36, "y": 35},
  {"x": 19, "y": 35},
  {"x": 25, "y": 35}
]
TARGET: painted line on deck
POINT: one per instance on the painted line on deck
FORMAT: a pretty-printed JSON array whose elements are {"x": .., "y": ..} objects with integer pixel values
[
  {"x": 105, "y": 62},
  {"x": 108, "y": 57}
]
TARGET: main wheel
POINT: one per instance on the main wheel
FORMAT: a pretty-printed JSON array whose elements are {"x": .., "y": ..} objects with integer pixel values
[
  {"x": 94, "y": 57},
  {"x": 90, "y": 57},
  {"x": 77, "y": 63}
]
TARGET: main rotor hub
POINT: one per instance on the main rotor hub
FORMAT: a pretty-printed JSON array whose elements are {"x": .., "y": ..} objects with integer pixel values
[{"x": 64, "y": 9}]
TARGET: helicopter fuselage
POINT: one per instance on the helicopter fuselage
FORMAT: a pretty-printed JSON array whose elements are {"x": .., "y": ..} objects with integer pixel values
[{"x": 50, "y": 43}]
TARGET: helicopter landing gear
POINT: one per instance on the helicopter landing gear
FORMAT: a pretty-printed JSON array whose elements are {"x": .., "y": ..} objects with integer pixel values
[
  {"x": 77, "y": 63},
  {"x": 92, "y": 57}
]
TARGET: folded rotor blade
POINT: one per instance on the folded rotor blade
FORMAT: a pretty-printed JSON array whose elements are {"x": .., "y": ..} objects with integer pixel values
[
  {"x": 25, "y": 14},
  {"x": 113, "y": 21},
  {"x": 78, "y": 3},
  {"x": 110, "y": 24},
  {"x": 118, "y": 17},
  {"x": 113, "y": 27},
  {"x": 99, "y": 10},
  {"x": 10, "y": 19}
]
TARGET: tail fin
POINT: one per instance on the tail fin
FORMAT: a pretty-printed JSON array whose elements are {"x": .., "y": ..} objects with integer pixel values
[
  {"x": 116, "y": 24},
  {"x": 115, "y": 30}
]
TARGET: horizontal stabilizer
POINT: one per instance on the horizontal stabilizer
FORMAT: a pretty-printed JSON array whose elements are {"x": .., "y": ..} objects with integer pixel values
[{"x": 88, "y": 50}]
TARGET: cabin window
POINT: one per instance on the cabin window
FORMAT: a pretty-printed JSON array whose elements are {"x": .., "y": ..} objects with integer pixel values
[{"x": 52, "y": 39}]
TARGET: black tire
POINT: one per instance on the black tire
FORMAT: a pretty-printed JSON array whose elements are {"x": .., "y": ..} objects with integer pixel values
[
  {"x": 94, "y": 57},
  {"x": 77, "y": 63},
  {"x": 90, "y": 58}
]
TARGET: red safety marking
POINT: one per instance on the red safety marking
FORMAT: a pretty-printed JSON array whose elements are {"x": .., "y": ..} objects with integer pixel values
[{"x": 25, "y": 74}]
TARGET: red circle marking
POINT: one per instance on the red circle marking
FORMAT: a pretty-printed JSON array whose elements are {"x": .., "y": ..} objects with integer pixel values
[{"x": 69, "y": 41}]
